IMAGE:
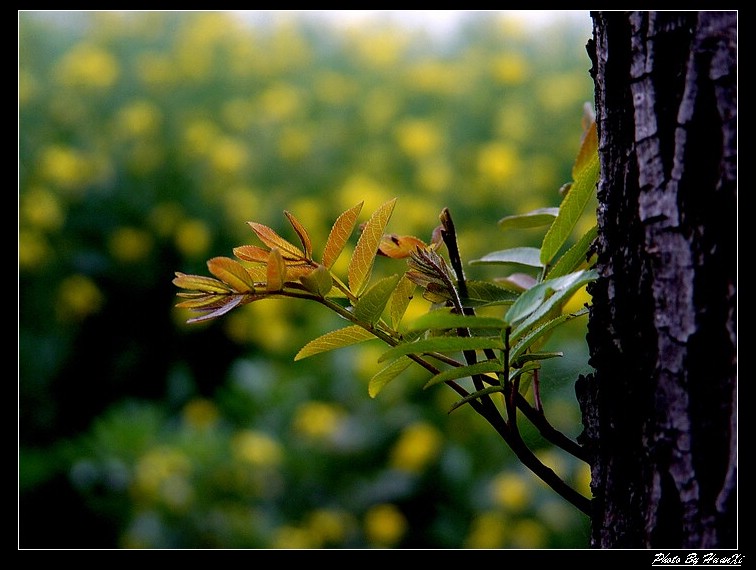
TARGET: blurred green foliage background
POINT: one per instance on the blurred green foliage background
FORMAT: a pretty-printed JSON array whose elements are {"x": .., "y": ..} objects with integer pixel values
[{"x": 146, "y": 141}]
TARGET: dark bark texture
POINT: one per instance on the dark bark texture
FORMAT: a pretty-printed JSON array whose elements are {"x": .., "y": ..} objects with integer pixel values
[{"x": 660, "y": 411}]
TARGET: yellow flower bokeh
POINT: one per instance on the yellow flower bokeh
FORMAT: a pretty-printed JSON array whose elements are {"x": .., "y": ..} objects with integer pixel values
[{"x": 384, "y": 525}]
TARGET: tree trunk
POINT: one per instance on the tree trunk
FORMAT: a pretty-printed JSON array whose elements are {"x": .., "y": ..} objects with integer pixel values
[{"x": 660, "y": 411}]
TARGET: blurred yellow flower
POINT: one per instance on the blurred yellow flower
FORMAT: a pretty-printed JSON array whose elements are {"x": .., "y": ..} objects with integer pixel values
[
  {"x": 88, "y": 66},
  {"x": 434, "y": 175},
  {"x": 318, "y": 420},
  {"x": 164, "y": 218},
  {"x": 290, "y": 537},
  {"x": 41, "y": 209},
  {"x": 381, "y": 48},
  {"x": 238, "y": 113},
  {"x": 242, "y": 204},
  {"x": 200, "y": 413},
  {"x": 78, "y": 297},
  {"x": 334, "y": 88},
  {"x": 294, "y": 143},
  {"x": 28, "y": 87},
  {"x": 256, "y": 448},
  {"x": 192, "y": 237},
  {"x": 385, "y": 525},
  {"x": 199, "y": 137},
  {"x": 528, "y": 534},
  {"x": 418, "y": 445},
  {"x": 129, "y": 244},
  {"x": 33, "y": 250},
  {"x": 418, "y": 138},
  {"x": 444, "y": 78},
  {"x": 511, "y": 491},
  {"x": 362, "y": 188},
  {"x": 488, "y": 530},
  {"x": 156, "y": 69},
  {"x": 280, "y": 102},
  {"x": 138, "y": 119},
  {"x": 275, "y": 336},
  {"x": 229, "y": 156},
  {"x": 559, "y": 92},
  {"x": 498, "y": 162},
  {"x": 509, "y": 68},
  {"x": 64, "y": 166},
  {"x": 161, "y": 474},
  {"x": 329, "y": 526}
]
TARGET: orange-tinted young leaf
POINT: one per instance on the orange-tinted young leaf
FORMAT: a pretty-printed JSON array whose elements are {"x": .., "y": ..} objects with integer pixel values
[
  {"x": 258, "y": 273},
  {"x": 270, "y": 238},
  {"x": 200, "y": 283},
  {"x": 399, "y": 247},
  {"x": 251, "y": 253},
  {"x": 361, "y": 264},
  {"x": 276, "y": 271},
  {"x": 304, "y": 237},
  {"x": 231, "y": 272},
  {"x": 340, "y": 232}
]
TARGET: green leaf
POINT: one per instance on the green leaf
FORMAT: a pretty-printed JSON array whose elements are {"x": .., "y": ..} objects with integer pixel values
[
  {"x": 339, "y": 235},
  {"x": 585, "y": 173},
  {"x": 400, "y": 300},
  {"x": 532, "y": 356},
  {"x": 570, "y": 283},
  {"x": 485, "y": 367},
  {"x": 363, "y": 257},
  {"x": 475, "y": 396},
  {"x": 371, "y": 304},
  {"x": 387, "y": 374},
  {"x": 340, "y": 338},
  {"x": 530, "y": 256},
  {"x": 538, "y": 332},
  {"x": 534, "y": 297},
  {"x": 484, "y": 293},
  {"x": 442, "y": 319},
  {"x": 442, "y": 344},
  {"x": 534, "y": 219},
  {"x": 575, "y": 256},
  {"x": 318, "y": 281}
]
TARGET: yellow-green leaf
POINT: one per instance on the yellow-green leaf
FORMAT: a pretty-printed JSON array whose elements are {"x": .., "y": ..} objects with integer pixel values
[
  {"x": 485, "y": 367},
  {"x": 270, "y": 238},
  {"x": 340, "y": 338},
  {"x": 304, "y": 237},
  {"x": 370, "y": 305},
  {"x": 585, "y": 174},
  {"x": 361, "y": 264},
  {"x": 276, "y": 275},
  {"x": 442, "y": 344},
  {"x": 318, "y": 281},
  {"x": 340, "y": 232},
  {"x": 200, "y": 283},
  {"x": 387, "y": 374},
  {"x": 400, "y": 300},
  {"x": 231, "y": 272}
]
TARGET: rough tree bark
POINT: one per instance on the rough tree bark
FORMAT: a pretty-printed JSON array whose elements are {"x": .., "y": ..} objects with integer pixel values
[{"x": 660, "y": 411}]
